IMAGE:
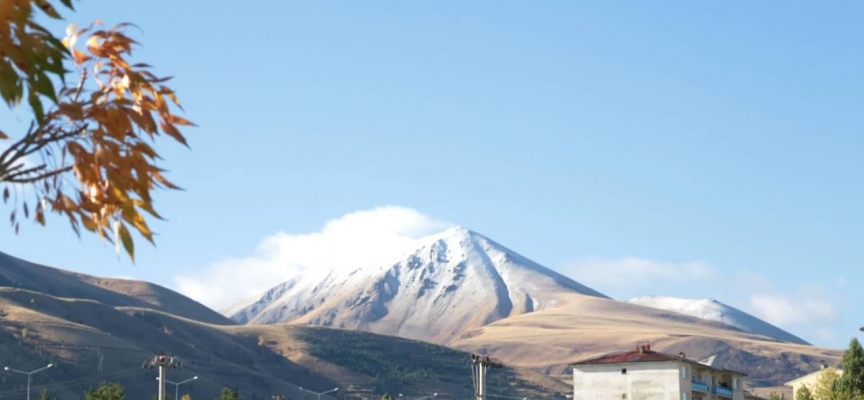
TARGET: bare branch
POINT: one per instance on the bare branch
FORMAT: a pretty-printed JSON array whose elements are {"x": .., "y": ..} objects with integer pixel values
[
  {"x": 14, "y": 150},
  {"x": 46, "y": 175}
]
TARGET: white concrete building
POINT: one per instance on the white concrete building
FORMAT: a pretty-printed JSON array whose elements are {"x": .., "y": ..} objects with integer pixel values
[
  {"x": 811, "y": 380},
  {"x": 648, "y": 375}
]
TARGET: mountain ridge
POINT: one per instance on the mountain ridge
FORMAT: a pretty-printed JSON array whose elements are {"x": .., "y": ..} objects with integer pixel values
[
  {"x": 453, "y": 281},
  {"x": 713, "y": 310},
  {"x": 18, "y": 273},
  {"x": 91, "y": 334}
]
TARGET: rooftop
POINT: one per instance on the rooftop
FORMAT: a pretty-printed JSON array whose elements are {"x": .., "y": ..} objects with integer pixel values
[{"x": 643, "y": 353}]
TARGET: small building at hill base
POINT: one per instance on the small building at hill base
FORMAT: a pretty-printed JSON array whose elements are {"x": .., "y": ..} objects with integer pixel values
[
  {"x": 810, "y": 380},
  {"x": 645, "y": 374}
]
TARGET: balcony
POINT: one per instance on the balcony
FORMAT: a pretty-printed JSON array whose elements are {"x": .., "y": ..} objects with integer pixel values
[
  {"x": 700, "y": 386},
  {"x": 721, "y": 391}
]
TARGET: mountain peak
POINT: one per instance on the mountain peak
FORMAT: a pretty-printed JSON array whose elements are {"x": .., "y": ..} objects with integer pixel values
[
  {"x": 451, "y": 282},
  {"x": 713, "y": 310},
  {"x": 456, "y": 232}
]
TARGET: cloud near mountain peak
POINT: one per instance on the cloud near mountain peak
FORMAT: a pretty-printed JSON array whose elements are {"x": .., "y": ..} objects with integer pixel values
[{"x": 359, "y": 238}]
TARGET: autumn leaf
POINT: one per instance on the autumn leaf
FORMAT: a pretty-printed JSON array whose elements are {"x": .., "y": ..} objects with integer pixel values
[
  {"x": 126, "y": 239},
  {"x": 96, "y": 131}
]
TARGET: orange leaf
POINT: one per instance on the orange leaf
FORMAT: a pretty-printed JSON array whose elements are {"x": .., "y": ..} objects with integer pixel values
[{"x": 179, "y": 121}]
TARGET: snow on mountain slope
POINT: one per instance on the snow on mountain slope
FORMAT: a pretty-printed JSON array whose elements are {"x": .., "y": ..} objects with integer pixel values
[
  {"x": 455, "y": 281},
  {"x": 714, "y": 310}
]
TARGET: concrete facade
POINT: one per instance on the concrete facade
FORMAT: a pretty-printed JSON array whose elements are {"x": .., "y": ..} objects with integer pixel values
[
  {"x": 647, "y": 375},
  {"x": 648, "y": 381},
  {"x": 809, "y": 380}
]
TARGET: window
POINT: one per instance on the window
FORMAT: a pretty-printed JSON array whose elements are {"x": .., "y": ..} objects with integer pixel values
[
  {"x": 683, "y": 396},
  {"x": 735, "y": 384},
  {"x": 684, "y": 373}
]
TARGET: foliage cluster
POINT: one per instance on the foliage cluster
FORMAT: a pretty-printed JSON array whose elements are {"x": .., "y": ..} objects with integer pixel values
[
  {"x": 106, "y": 391},
  {"x": 87, "y": 154},
  {"x": 229, "y": 394},
  {"x": 834, "y": 386}
]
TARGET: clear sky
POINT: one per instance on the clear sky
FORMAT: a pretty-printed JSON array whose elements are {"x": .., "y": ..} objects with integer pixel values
[{"x": 683, "y": 148}]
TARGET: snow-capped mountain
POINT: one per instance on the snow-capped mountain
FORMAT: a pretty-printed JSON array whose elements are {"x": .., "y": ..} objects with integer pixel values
[
  {"x": 455, "y": 281},
  {"x": 714, "y": 310}
]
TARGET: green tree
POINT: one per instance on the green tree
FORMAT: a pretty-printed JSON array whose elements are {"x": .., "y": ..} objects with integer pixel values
[
  {"x": 228, "y": 394},
  {"x": 186, "y": 396},
  {"x": 827, "y": 387},
  {"x": 851, "y": 384},
  {"x": 775, "y": 396},
  {"x": 87, "y": 153},
  {"x": 44, "y": 395},
  {"x": 804, "y": 394},
  {"x": 386, "y": 396},
  {"x": 106, "y": 391}
]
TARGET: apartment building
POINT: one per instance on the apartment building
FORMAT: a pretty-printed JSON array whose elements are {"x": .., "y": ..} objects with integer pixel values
[{"x": 645, "y": 374}]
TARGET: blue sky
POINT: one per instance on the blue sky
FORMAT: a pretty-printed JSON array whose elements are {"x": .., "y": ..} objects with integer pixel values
[{"x": 704, "y": 150}]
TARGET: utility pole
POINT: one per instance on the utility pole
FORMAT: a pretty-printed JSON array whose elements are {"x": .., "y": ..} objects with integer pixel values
[
  {"x": 29, "y": 374},
  {"x": 162, "y": 362},
  {"x": 479, "y": 364}
]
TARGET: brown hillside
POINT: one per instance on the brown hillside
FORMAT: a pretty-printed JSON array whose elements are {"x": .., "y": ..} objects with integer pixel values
[
  {"x": 36, "y": 329},
  {"x": 586, "y": 327},
  {"x": 21, "y": 274}
]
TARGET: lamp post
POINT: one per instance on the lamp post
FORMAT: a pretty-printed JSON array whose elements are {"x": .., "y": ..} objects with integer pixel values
[
  {"x": 177, "y": 385},
  {"x": 319, "y": 394},
  {"x": 28, "y": 375},
  {"x": 422, "y": 398}
]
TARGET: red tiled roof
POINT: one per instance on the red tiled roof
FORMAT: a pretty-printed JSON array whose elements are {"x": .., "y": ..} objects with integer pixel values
[
  {"x": 630, "y": 356},
  {"x": 646, "y": 355}
]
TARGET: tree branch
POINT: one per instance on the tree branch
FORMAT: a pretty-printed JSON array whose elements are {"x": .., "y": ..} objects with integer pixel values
[
  {"x": 29, "y": 145},
  {"x": 37, "y": 178}
]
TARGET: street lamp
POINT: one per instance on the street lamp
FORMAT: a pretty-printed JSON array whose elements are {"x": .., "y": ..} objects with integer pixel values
[
  {"x": 319, "y": 394},
  {"x": 28, "y": 375},
  {"x": 422, "y": 398},
  {"x": 177, "y": 385}
]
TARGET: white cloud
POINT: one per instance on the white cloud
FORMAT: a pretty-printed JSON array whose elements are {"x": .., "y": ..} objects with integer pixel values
[
  {"x": 368, "y": 237},
  {"x": 801, "y": 307},
  {"x": 627, "y": 274}
]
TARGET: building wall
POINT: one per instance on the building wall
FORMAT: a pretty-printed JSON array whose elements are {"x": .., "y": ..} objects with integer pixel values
[
  {"x": 810, "y": 380},
  {"x": 643, "y": 381}
]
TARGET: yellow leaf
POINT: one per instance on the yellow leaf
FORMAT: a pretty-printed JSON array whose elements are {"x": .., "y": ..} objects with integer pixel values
[{"x": 126, "y": 238}]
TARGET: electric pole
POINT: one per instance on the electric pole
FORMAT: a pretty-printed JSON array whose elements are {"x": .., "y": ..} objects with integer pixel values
[
  {"x": 479, "y": 364},
  {"x": 162, "y": 362}
]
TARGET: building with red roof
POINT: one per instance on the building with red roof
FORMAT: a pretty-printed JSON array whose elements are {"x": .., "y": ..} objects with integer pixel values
[{"x": 645, "y": 374}]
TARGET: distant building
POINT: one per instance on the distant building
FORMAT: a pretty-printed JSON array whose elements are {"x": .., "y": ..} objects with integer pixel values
[
  {"x": 810, "y": 379},
  {"x": 753, "y": 396},
  {"x": 645, "y": 374}
]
